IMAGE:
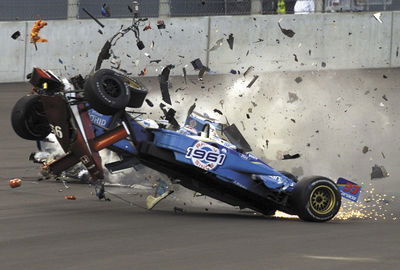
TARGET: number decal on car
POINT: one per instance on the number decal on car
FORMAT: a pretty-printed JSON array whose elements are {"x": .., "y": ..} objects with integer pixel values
[
  {"x": 57, "y": 131},
  {"x": 205, "y": 156}
]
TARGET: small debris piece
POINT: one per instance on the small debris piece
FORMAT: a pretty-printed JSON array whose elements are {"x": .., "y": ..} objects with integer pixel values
[
  {"x": 101, "y": 32},
  {"x": 14, "y": 183},
  {"x": 259, "y": 40},
  {"x": 287, "y": 32},
  {"x": 230, "y": 41},
  {"x": 197, "y": 64},
  {"x": 288, "y": 156},
  {"x": 94, "y": 18},
  {"x": 218, "y": 111},
  {"x": 248, "y": 71},
  {"x": 298, "y": 80},
  {"x": 149, "y": 102},
  {"x": 217, "y": 45},
  {"x": 105, "y": 11},
  {"x": 155, "y": 61},
  {"x": 294, "y": 121},
  {"x": 292, "y": 97},
  {"x": 266, "y": 143},
  {"x": 383, "y": 155},
  {"x": 184, "y": 75},
  {"x": 248, "y": 116},
  {"x": 16, "y": 35},
  {"x": 233, "y": 71},
  {"x": 70, "y": 197},
  {"x": 37, "y": 26},
  {"x": 147, "y": 27},
  {"x": 143, "y": 72},
  {"x": 160, "y": 24},
  {"x": 323, "y": 64},
  {"x": 378, "y": 172},
  {"x": 252, "y": 81},
  {"x": 177, "y": 210},
  {"x": 365, "y": 149},
  {"x": 384, "y": 76},
  {"x": 295, "y": 58},
  {"x": 377, "y": 16},
  {"x": 60, "y": 61},
  {"x": 384, "y": 97}
]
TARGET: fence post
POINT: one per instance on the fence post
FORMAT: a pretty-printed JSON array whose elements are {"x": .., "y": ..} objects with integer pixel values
[
  {"x": 320, "y": 6},
  {"x": 256, "y": 6},
  {"x": 165, "y": 9},
  {"x": 73, "y": 9}
]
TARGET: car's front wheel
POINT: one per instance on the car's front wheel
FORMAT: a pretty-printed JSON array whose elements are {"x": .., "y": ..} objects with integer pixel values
[
  {"x": 316, "y": 199},
  {"x": 29, "y": 120}
]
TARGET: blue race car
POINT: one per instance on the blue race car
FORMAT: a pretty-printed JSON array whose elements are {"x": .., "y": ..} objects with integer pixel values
[{"x": 202, "y": 155}]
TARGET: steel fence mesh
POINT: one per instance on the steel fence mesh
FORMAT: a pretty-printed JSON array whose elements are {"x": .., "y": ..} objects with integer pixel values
[
  {"x": 33, "y": 9},
  {"x": 209, "y": 7}
]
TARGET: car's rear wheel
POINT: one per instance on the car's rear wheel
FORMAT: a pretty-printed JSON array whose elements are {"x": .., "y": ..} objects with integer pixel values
[
  {"x": 107, "y": 92},
  {"x": 29, "y": 120},
  {"x": 316, "y": 199}
]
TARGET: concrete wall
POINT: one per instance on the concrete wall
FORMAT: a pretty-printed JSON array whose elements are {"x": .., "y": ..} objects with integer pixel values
[{"x": 342, "y": 41}]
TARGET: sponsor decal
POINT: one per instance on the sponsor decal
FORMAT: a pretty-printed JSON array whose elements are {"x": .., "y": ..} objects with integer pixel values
[
  {"x": 205, "y": 156},
  {"x": 97, "y": 120},
  {"x": 348, "y": 189}
]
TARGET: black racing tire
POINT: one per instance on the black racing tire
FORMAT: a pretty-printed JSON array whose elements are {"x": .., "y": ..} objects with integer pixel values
[
  {"x": 107, "y": 92},
  {"x": 315, "y": 199},
  {"x": 290, "y": 175},
  {"x": 29, "y": 120}
]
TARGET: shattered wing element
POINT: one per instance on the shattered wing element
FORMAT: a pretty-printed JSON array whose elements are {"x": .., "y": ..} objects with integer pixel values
[
  {"x": 287, "y": 32},
  {"x": 103, "y": 55},
  {"x": 164, "y": 87}
]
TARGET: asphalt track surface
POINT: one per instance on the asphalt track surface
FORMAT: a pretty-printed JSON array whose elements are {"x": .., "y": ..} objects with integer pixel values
[{"x": 39, "y": 229}]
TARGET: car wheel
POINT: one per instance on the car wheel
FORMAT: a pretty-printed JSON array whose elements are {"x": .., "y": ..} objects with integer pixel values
[
  {"x": 107, "y": 92},
  {"x": 29, "y": 120},
  {"x": 316, "y": 199}
]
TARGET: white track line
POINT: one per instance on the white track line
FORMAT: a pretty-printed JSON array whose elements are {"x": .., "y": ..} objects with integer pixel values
[{"x": 359, "y": 259}]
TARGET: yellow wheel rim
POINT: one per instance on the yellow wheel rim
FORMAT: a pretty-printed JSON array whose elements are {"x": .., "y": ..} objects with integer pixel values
[{"x": 322, "y": 200}]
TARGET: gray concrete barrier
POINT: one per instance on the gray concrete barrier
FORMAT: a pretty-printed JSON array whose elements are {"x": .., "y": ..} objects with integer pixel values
[{"x": 331, "y": 41}]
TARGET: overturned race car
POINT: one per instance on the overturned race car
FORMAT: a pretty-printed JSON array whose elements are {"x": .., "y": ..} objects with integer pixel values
[
  {"x": 89, "y": 114},
  {"x": 213, "y": 159}
]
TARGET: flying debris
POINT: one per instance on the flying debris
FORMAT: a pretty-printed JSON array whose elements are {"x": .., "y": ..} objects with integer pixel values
[
  {"x": 105, "y": 11},
  {"x": 298, "y": 80},
  {"x": 14, "y": 183},
  {"x": 230, "y": 41},
  {"x": 198, "y": 65},
  {"x": 365, "y": 149},
  {"x": 234, "y": 72},
  {"x": 248, "y": 71},
  {"x": 384, "y": 76},
  {"x": 218, "y": 111},
  {"x": 252, "y": 81},
  {"x": 160, "y": 24},
  {"x": 217, "y": 45},
  {"x": 288, "y": 156},
  {"x": 94, "y": 18},
  {"x": 292, "y": 97},
  {"x": 384, "y": 97},
  {"x": 287, "y": 32},
  {"x": 147, "y": 27},
  {"x": 155, "y": 61},
  {"x": 149, "y": 102},
  {"x": 70, "y": 197},
  {"x": 178, "y": 210},
  {"x": 378, "y": 172},
  {"x": 184, "y": 75},
  {"x": 16, "y": 35},
  {"x": 377, "y": 16},
  {"x": 143, "y": 72},
  {"x": 295, "y": 58},
  {"x": 323, "y": 64},
  {"x": 38, "y": 25}
]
